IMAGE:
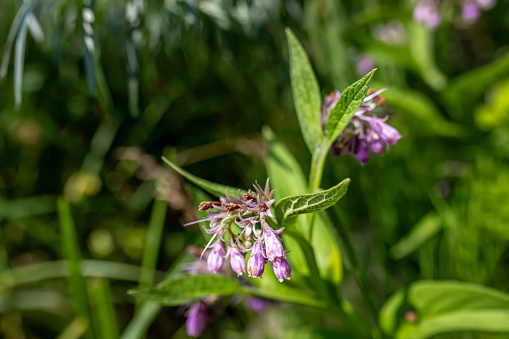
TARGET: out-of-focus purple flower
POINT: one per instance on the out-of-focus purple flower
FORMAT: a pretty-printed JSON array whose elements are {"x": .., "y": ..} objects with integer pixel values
[
  {"x": 426, "y": 11},
  {"x": 392, "y": 33},
  {"x": 365, "y": 64},
  {"x": 282, "y": 269},
  {"x": 256, "y": 262},
  {"x": 256, "y": 304},
  {"x": 486, "y": 4},
  {"x": 273, "y": 247},
  {"x": 237, "y": 260},
  {"x": 470, "y": 12},
  {"x": 366, "y": 132},
  {"x": 197, "y": 319},
  {"x": 215, "y": 260}
]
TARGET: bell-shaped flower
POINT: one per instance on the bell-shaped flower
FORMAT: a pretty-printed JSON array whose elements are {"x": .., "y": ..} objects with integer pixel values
[
  {"x": 256, "y": 262},
  {"x": 215, "y": 259}
]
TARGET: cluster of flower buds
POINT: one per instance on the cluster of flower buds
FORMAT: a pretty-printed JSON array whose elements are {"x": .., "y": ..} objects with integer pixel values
[
  {"x": 249, "y": 211},
  {"x": 366, "y": 132},
  {"x": 428, "y": 11}
]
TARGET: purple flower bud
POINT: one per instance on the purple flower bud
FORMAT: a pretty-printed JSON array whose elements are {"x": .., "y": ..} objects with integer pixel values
[
  {"x": 273, "y": 245},
  {"x": 376, "y": 144},
  {"x": 282, "y": 269},
  {"x": 237, "y": 260},
  {"x": 197, "y": 319},
  {"x": 386, "y": 132},
  {"x": 256, "y": 262},
  {"x": 216, "y": 257},
  {"x": 470, "y": 12}
]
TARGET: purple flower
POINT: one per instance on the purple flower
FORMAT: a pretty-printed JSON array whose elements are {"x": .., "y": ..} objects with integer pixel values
[
  {"x": 365, "y": 133},
  {"x": 256, "y": 262},
  {"x": 256, "y": 304},
  {"x": 197, "y": 319},
  {"x": 273, "y": 246},
  {"x": 362, "y": 153},
  {"x": 215, "y": 260},
  {"x": 365, "y": 64},
  {"x": 486, "y": 4},
  {"x": 470, "y": 12},
  {"x": 250, "y": 211},
  {"x": 376, "y": 145},
  {"x": 386, "y": 132},
  {"x": 282, "y": 269},
  {"x": 237, "y": 260},
  {"x": 426, "y": 12}
]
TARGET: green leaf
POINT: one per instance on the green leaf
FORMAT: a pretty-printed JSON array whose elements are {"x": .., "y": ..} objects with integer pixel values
[
  {"x": 424, "y": 230},
  {"x": 285, "y": 173},
  {"x": 306, "y": 94},
  {"x": 312, "y": 202},
  {"x": 184, "y": 289},
  {"x": 445, "y": 306},
  {"x": 212, "y": 188},
  {"x": 349, "y": 102}
]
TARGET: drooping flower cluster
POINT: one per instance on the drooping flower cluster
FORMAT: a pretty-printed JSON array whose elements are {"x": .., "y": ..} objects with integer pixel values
[
  {"x": 428, "y": 11},
  {"x": 249, "y": 211},
  {"x": 366, "y": 132}
]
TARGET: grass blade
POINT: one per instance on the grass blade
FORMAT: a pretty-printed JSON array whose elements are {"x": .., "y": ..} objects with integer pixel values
[
  {"x": 88, "y": 20},
  {"x": 20, "y": 15},
  {"x": 71, "y": 252},
  {"x": 152, "y": 243},
  {"x": 19, "y": 59},
  {"x": 105, "y": 319}
]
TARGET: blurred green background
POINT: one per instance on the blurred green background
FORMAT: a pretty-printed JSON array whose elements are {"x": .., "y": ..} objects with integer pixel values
[{"x": 96, "y": 92}]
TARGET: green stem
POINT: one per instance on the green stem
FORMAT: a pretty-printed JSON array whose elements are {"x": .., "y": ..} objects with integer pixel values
[{"x": 315, "y": 178}]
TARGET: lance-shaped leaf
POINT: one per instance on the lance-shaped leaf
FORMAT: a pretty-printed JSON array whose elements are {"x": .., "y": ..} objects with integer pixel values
[
  {"x": 181, "y": 290},
  {"x": 313, "y": 202},
  {"x": 306, "y": 94},
  {"x": 349, "y": 102},
  {"x": 209, "y": 186},
  {"x": 433, "y": 307}
]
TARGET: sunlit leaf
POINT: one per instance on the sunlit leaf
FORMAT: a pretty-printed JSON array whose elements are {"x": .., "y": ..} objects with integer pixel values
[
  {"x": 349, "y": 102},
  {"x": 433, "y": 307},
  {"x": 312, "y": 202},
  {"x": 306, "y": 94}
]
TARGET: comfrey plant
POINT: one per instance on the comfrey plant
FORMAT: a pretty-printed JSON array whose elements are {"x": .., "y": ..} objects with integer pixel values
[
  {"x": 366, "y": 132},
  {"x": 249, "y": 211},
  {"x": 249, "y": 223}
]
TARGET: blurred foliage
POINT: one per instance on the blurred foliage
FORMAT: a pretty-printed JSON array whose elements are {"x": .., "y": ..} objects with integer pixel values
[{"x": 96, "y": 92}]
